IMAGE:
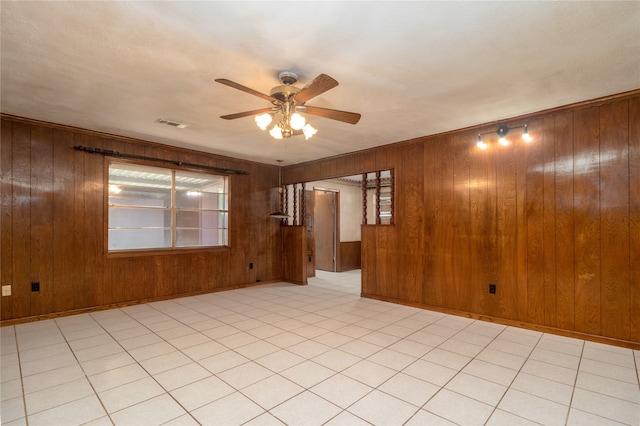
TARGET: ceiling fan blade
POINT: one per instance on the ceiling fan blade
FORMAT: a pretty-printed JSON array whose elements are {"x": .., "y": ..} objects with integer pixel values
[
  {"x": 246, "y": 89},
  {"x": 333, "y": 114},
  {"x": 246, "y": 113},
  {"x": 317, "y": 86}
]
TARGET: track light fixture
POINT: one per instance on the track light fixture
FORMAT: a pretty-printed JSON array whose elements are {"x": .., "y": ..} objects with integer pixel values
[{"x": 502, "y": 133}]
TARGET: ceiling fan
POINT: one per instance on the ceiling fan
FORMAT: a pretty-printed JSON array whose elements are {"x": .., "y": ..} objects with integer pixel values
[{"x": 287, "y": 102}]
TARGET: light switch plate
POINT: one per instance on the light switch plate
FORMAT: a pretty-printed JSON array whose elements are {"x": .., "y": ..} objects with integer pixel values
[{"x": 6, "y": 290}]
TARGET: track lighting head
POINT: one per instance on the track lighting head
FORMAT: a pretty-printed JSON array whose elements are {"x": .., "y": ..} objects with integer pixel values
[{"x": 502, "y": 133}]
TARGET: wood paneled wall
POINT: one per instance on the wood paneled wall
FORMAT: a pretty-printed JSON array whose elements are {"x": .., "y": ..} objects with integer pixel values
[
  {"x": 53, "y": 226},
  {"x": 554, "y": 224},
  {"x": 349, "y": 255}
]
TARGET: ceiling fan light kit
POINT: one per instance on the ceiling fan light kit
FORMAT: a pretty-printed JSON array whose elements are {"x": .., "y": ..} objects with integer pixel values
[
  {"x": 502, "y": 132},
  {"x": 288, "y": 101}
]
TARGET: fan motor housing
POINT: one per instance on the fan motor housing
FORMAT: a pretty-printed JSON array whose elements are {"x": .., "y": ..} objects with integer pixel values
[{"x": 283, "y": 93}]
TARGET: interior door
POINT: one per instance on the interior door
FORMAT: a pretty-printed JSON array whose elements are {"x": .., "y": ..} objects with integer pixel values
[
  {"x": 324, "y": 229},
  {"x": 311, "y": 241}
]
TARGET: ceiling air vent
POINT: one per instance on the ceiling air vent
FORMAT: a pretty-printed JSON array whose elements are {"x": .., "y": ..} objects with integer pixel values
[{"x": 171, "y": 123}]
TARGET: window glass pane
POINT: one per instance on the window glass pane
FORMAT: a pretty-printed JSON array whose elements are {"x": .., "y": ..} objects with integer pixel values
[
  {"x": 143, "y": 201},
  {"x": 214, "y": 237},
  {"x": 196, "y": 190},
  {"x": 122, "y": 217},
  {"x": 187, "y": 237},
  {"x": 214, "y": 219},
  {"x": 122, "y": 239},
  {"x": 134, "y": 185}
]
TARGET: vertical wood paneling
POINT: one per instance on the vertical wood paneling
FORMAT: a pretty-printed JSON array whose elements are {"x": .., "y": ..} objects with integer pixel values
[
  {"x": 614, "y": 196},
  {"x": 411, "y": 230},
  {"x": 94, "y": 285},
  {"x": 64, "y": 270},
  {"x": 6, "y": 220},
  {"x": 79, "y": 239},
  {"x": 431, "y": 197},
  {"x": 565, "y": 286},
  {"x": 447, "y": 241},
  {"x": 521, "y": 150},
  {"x": 506, "y": 232},
  {"x": 369, "y": 254},
  {"x": 586, "y": 220},
  {"x": 295, "y": 254},
  {"x": 549, "y": 221},
  {"x": 21, "y": 221},
  {"x": 534, "y": 206},
  {"x": 461, "y": 250},
  {"x": 634, "y": 218},
  {"x": 479, "y": 229}
]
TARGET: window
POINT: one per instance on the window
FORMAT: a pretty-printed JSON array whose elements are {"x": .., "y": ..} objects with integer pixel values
[{"x": 158, "y": 208}]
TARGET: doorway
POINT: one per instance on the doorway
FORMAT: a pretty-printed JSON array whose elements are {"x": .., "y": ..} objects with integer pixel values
[{"x": 325, "y": 229}]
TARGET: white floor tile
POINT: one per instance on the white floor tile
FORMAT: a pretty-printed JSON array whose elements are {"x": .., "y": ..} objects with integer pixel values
[
  {"x": 425, "y": 418},
  {"x": 77, "y": 412},
  {"x": 181, "y": 376},
  {"x": 124, "y": 396},
  {"x": 504, "y": 418},
  {"x": 582, "y": 418},
  {"x": 606, "y": 406},
  {"x": 264, "y": 395},
  {"x": 155, "y": 411},
  {"x": 12, "y": 409},
  {"x": 430, "y": 372},
  {"x": 458, "y": 408},
  {"x": 611, "y": 387},
  {"x": 341, "y": 390},
  {"x": 315, "y": 354},
  {"x": 550, "y": 371},
  {"x": 479, "y": 389},
  {"x": 305, "y": 409},
  {"x": 234, "y": 409},
  {"x": 336, "y": 359},
  {"x": 544, "y": 388},
  {"x": 307, "y": 373},
  {"x": 58, "y": 395},
  {"x": 380, "y": 408},
  {"x": 605, "y": 369},
  {"x": 533, "y": 408},
  {"x": 223, "y": 361},
  {"x": 52, "y": 378},
  {"x": 244, "y": 375},
  {"x": 345, "y": 418},
  {"x": 369, "y": 373},
  {"x": 392, "y": 359},
  {"x": 202, "y": 392},
  {"x": 409, "y": 389},
  {"x": 117, "y": 377},
  {"x": 165, "y": 362}
]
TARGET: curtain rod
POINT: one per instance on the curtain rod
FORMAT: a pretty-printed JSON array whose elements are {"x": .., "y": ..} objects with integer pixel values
[{"x": 117, "y": 154}]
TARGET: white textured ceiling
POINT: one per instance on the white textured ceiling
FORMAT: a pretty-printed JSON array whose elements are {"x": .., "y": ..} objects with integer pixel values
[{"x": 410, "y": 68}]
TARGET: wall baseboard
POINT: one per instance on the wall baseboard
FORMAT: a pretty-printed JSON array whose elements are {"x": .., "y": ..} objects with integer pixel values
[
  {"x": 519, "y": 324},
  {"x": 54, "y": 315}
]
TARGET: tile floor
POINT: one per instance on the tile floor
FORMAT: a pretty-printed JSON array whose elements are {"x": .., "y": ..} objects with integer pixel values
[{"x": 318, "y": 354}]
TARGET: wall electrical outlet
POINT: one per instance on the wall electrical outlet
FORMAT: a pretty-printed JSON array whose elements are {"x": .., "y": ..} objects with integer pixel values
[
  {"x": 6, "y": 290},
  {"x": 492, "y": 288}
]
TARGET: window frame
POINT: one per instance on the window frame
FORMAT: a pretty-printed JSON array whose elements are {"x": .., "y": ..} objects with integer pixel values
[{"x": 161, "y": 250}]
